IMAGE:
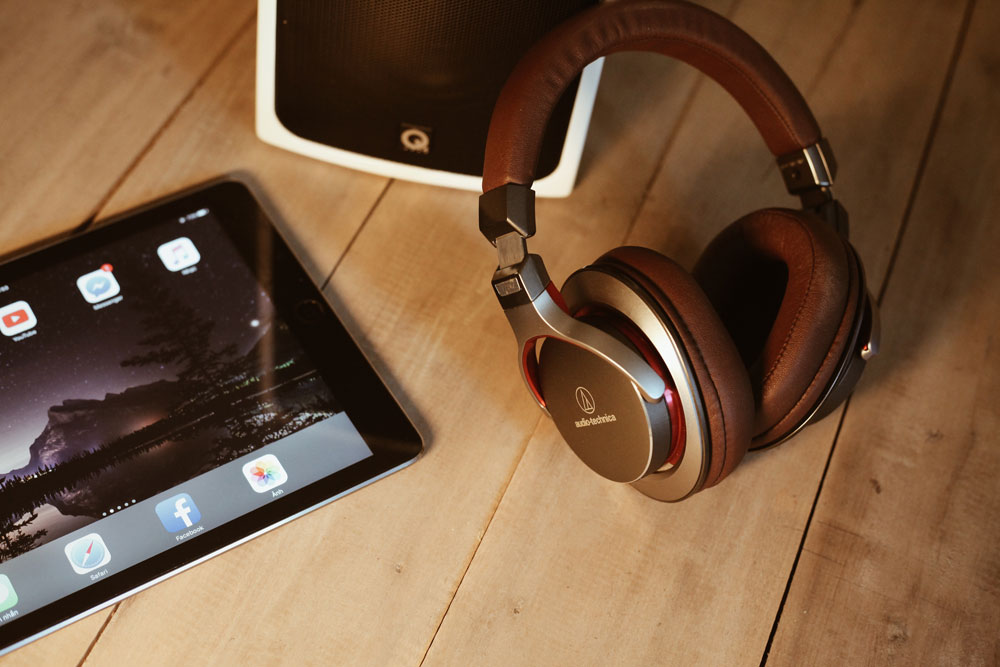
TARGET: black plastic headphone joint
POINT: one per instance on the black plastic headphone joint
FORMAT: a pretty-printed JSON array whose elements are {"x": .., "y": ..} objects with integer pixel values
[
  {"x": 509, "y": 208},
  {"x": 831, "y": 211},
  {"x": 522, "y": 283}
]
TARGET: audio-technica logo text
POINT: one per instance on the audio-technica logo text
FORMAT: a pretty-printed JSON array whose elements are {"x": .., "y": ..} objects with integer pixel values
[
  {"x": 590, "y": 421},
  {"x": 586, "y": 402}
]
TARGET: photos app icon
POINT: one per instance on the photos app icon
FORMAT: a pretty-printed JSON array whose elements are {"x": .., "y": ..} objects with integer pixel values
[{"x": 265, "y": 473}]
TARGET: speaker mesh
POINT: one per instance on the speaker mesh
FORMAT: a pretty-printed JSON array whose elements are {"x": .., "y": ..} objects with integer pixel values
[{"x": 411, "y": 81}]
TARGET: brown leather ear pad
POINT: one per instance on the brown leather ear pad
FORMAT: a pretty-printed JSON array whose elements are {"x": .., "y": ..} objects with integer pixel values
[
  {"x": 721, "y": 377},
  {"x": 786, "y": 287}
]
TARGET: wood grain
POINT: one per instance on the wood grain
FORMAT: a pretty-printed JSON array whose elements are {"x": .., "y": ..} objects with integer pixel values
[
  {"x": 86, "y": 86},
  {"x": 902, "y": 561},
  {"x": 575, "y": 570}
]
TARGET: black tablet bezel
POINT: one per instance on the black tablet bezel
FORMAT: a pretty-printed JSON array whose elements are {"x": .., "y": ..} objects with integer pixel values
[{"x": 378, "y": 417}]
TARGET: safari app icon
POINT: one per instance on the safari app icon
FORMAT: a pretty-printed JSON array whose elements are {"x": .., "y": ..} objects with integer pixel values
[
  {"x": 87, "y": 553},
  {"x": 178, "y": 254},
  {"x": 99, "y": 285}
]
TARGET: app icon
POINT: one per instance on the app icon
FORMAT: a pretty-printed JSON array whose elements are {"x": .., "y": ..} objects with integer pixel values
[
  {"x": 178, "y": 513},
  {"x": 98, "y": 285},
  {"x": 8, "y": 598},
  {"x": 87, "y": 553},
  {"x": 178, "y": 254},
  {"x": 16, "y": 317},
  {"x": 265, "y": 473}
]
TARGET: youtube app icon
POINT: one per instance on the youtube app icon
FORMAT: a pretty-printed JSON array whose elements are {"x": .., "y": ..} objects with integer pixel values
[{"x": 16, "y": 317}]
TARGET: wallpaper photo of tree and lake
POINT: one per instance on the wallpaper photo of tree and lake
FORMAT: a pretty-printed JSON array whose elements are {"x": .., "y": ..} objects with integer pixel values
[{"x": 111, "y": 405}]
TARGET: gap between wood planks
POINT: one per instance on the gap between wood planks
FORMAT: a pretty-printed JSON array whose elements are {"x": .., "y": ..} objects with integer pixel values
[{"x": 917, "y": 179}]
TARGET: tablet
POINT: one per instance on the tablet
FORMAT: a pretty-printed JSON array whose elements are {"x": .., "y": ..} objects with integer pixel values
[{"x": 172, "y": 384}]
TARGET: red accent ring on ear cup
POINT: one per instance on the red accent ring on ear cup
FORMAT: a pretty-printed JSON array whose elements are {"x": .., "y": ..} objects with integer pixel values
[
  {"x": 557, "y": 296},
  {"x": 529, "y": 359}
]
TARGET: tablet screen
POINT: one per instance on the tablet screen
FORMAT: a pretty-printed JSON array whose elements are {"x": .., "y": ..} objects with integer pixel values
[{"x": 153, "y": 392}]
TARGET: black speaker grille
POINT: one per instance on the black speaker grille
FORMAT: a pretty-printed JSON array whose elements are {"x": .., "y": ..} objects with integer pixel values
[{"x": 356, "y": 74}]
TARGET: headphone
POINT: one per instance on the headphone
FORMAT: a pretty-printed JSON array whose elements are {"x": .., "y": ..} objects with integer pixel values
[{"x": 654, "y": 376}]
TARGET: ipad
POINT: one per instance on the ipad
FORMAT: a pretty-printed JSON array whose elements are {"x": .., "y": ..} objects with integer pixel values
[{"x": 171, "y": 384}]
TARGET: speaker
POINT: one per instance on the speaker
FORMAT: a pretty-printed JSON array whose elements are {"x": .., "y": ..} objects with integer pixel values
[{"x": 405, "y": 88}]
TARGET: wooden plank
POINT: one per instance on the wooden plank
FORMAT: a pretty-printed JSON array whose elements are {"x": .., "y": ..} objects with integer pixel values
[
  {"x": 319, "y": 207},
  {"x": 901, "y": 564},
  {"x": 575, "y": 570},
  {"x": 85, "y": 87}
]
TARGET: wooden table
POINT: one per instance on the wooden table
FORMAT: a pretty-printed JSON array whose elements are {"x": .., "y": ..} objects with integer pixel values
[{"x": 874, "y": 537}]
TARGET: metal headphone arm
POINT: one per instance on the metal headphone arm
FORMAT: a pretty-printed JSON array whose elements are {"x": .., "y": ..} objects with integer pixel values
[{"x": 534, "y": 307}]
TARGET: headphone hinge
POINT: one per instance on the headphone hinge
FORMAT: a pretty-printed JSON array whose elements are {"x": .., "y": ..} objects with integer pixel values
[
  {"x": 521, "y": 283},
  {"x": 509, "y": 208}
]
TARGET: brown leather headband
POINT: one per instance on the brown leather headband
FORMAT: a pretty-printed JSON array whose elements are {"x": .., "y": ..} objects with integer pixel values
[{"x": 688, "y": 32}]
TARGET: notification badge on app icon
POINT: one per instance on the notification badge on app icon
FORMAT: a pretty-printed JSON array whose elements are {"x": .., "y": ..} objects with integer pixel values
[
  {"x": 99, "y": 285},
  {"x": 178, "y": 254},
  {"x": 16, "y": 317}
]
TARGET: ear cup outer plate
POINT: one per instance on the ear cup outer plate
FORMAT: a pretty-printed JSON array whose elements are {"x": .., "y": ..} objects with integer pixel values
[
  {"x": 601, "y": 414},
  {"x": 597, "y": 286}
]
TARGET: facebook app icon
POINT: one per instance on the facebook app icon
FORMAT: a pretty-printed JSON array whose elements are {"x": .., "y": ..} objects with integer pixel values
[{"x": 178, "y": 513}]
